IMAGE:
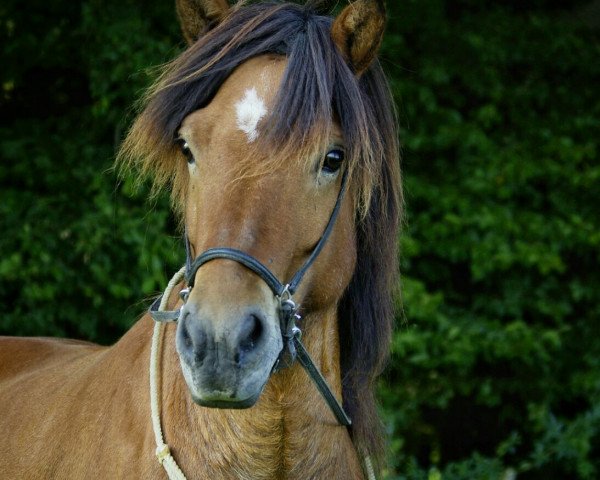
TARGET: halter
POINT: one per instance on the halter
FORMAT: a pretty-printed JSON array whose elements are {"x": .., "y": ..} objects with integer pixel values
[{"x": 293, "y": 349}]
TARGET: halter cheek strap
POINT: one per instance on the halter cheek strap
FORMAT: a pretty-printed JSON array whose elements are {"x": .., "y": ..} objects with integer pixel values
[{"x": 293, "y": 349}]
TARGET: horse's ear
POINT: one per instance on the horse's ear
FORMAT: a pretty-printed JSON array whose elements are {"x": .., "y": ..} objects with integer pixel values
[
  {"x": 358, "y": 30},
  {"x": 199, "y": 16}
]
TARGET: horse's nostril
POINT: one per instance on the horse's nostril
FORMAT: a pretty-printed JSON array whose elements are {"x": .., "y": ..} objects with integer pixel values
[
  {"x": 185, "y": 336},
  {"x": 251, "y": 332},
  {"x": 192, "y": 339}
]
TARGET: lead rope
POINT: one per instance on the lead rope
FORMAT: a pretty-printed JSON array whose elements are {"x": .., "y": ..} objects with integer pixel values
[
  {"x": 163, "y": 453},
  {"x": 369, "y": 468}
]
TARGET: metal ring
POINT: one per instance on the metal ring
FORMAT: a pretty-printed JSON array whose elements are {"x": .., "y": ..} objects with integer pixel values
[{"x": 285, "y": 292}]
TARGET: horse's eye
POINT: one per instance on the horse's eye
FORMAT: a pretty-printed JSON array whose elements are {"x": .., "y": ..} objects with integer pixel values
[
  {"x": 333, "y": 161},
  {"x": 185, "y": 149}
]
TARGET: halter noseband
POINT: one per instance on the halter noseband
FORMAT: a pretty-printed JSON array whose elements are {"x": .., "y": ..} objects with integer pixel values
[{"x": 288, "y": 310}]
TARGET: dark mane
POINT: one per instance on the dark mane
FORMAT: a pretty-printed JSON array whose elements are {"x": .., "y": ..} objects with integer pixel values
[{"x": 317, "y": 87}]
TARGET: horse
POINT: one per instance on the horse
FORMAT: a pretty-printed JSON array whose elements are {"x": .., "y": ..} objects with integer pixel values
[{"x": 276, "y": 133}]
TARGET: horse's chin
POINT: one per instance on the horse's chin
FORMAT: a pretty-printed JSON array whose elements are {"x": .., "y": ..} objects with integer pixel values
[
  {"x": 225, "y": 390},
  {"x": 227, "y": 403}
]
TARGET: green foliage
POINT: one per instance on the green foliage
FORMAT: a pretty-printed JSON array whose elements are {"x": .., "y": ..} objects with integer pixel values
[
  {"x": 496, "y": 364},
  {"x": 80, "y": 250}
]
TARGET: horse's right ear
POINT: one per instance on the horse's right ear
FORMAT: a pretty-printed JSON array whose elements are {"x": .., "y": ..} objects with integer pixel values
[{"x": 198, "y": 16}]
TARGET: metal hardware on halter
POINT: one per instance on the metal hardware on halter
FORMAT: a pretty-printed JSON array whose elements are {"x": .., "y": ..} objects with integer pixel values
[
  {"x": 184, "y": 294},
  {"x": 285, "y": 294},
  {"x": 288, "y": 316}
]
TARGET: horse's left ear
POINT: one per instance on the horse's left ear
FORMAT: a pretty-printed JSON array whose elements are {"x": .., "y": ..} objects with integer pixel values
[
  {"x": 198, "y": 16},
  {"x": 358, "y": 30}
]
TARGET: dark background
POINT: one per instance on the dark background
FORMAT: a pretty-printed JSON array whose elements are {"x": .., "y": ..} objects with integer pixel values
[{"x": 496, "y": 357}]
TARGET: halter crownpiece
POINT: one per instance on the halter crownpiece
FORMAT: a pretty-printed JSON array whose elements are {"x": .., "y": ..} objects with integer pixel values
[{"x": 293, "y": 349}]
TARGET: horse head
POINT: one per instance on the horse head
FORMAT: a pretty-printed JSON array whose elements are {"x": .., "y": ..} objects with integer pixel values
[{"x": 229, "y": 334}]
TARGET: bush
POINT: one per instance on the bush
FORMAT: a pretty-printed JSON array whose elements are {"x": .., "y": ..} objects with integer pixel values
[
  {"x": 495, "y": 369},
  {"x": 81, "y": 248}
]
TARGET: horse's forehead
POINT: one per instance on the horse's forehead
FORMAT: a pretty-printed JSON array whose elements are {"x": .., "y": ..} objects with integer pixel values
[{"x": 243, "y": 100}]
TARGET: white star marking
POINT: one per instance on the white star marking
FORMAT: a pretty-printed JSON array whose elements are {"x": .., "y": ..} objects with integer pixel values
[{"x": 249, "y": 111}]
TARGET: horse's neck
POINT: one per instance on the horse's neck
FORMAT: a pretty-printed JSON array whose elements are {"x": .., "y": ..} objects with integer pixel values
[{"x": 290, "y": 432}]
